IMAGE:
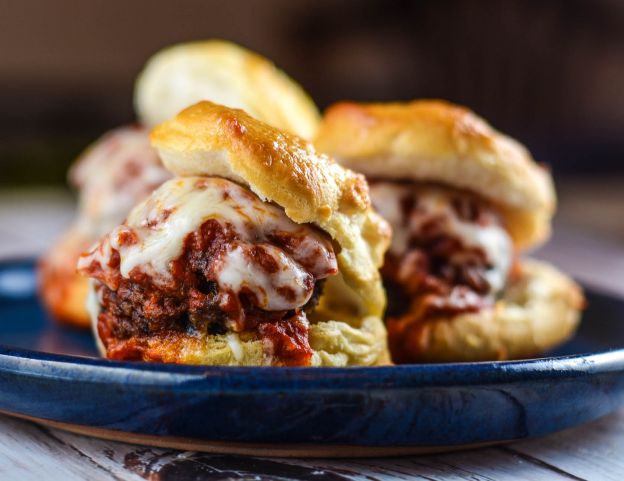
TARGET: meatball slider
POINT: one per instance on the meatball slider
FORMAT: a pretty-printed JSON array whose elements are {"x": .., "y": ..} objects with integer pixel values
[
  {"x": 463, "y": 201},
  {"x": 262, "y": 252},
  {"x": 227, "y": 74}
]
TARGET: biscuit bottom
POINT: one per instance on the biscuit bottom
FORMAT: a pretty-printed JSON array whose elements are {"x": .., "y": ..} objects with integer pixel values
[{"x": 538, "y": 310}]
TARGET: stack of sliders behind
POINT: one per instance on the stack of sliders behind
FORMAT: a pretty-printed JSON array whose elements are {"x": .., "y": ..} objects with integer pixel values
[
  {"x": 464, "y": 201},
  {"x": 121, "y": 168}
]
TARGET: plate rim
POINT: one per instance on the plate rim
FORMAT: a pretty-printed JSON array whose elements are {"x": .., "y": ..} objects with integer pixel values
[{"x": 254, "y": 378}]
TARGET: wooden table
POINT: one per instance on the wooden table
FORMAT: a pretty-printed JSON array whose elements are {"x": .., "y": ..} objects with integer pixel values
[{"x": 589, "y": 243}]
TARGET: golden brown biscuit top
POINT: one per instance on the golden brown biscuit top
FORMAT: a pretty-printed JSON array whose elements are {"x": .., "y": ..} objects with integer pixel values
[
  {"x": 212, "y": 140},
  {"x": 435, "y": 141},
  {"x": 224, "y": 73}
]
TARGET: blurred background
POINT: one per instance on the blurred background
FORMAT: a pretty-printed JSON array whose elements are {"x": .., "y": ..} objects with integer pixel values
[{"x": 550, "y": 73}]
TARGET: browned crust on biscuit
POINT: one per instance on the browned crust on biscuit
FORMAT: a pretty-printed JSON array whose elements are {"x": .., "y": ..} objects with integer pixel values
[
  {"x": 255, "y": 84},
  {"x": 436, "y": 141}
]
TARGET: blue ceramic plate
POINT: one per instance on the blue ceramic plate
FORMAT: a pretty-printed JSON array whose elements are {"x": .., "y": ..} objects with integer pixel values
[{"x": 50, "y": 374}]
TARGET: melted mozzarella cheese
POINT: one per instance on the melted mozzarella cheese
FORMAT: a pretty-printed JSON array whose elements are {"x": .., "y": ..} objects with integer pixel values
[
  {"x": 116, "y": 173},
  {"x": 240, "y": 271},
  {"x": 159, "y": 226},
  {"x": 432, "y": 202},
  {"x": 495, "y": 243}
]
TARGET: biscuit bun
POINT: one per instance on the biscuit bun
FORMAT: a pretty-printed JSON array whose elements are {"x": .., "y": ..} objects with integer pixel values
[
  {"x": 219, "y": 144},
  {"x": 225, "y": 73},
  {"x": 538, "y": 310},
  {"x": 435, "y": 141}
]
